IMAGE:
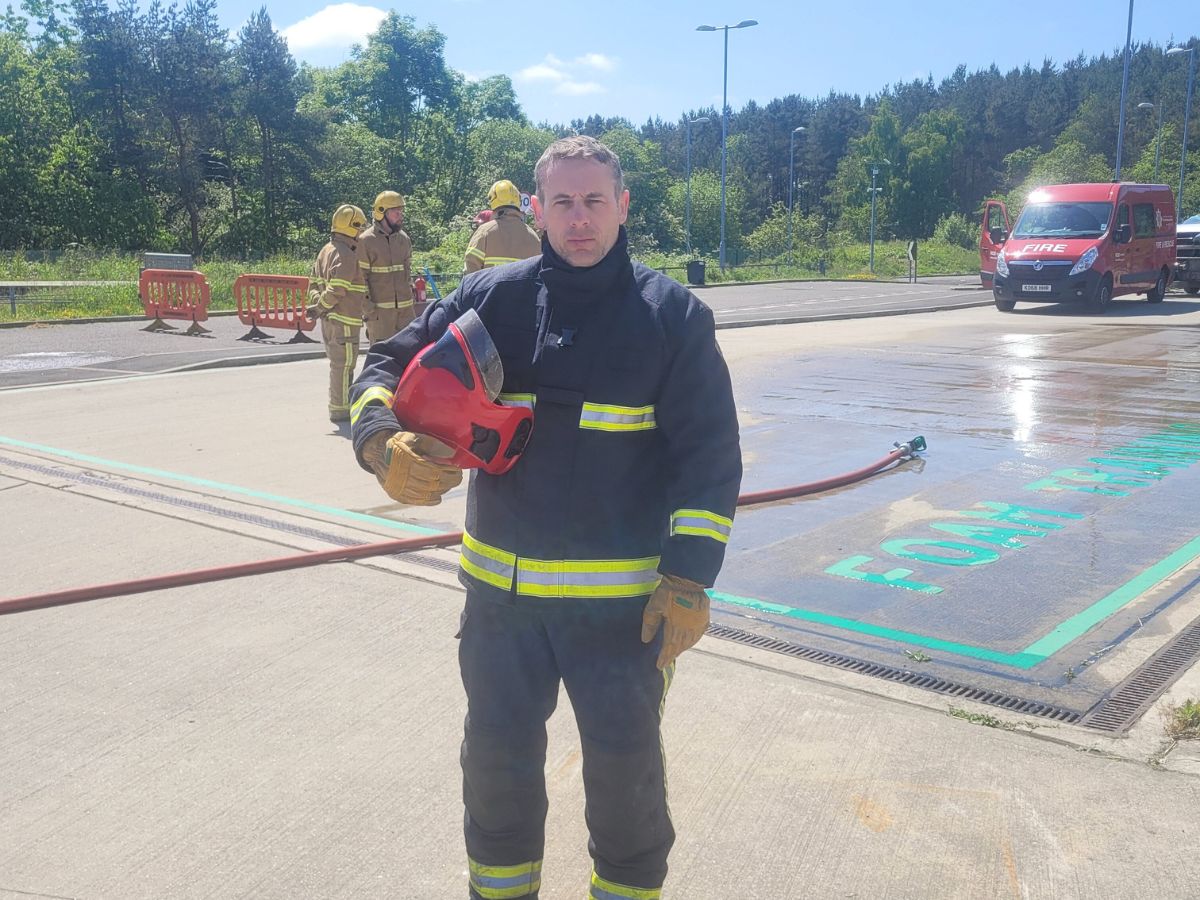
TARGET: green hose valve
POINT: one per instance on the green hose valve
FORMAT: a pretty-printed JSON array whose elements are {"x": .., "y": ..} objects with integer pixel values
[{"x": 909, "y": 448}]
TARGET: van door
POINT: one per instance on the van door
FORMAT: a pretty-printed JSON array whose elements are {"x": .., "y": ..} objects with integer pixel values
[
  {"x": 993, "y": 232},
  {"x": 1119, "y": 263},
  {"x": 1142, "y": 270}
]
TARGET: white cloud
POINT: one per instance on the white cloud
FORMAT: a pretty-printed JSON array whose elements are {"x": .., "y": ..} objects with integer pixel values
[
  {"x": 568, "y": 78},
  {"x": 338, "y": 25},
  {"x": 597, "y": 61},
  {"x": 579, "y": 88},
  {"x": 541, "y": 72}
]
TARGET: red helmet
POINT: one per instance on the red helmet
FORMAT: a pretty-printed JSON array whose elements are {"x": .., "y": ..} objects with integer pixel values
[
  {"x": 449, "y": 392},
  {"x": 484, "y": 215}
]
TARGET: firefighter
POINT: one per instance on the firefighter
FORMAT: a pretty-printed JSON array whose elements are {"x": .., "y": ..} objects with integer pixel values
[
  {"x": 386, "y": 258},
  {"x": 336, "y": 292},
  {"x": 586, "y": 563},
  {"x": 505, "y": 238}
]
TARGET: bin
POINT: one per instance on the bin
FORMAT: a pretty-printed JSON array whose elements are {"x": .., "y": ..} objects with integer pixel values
[{"x": 695, "y": 271}]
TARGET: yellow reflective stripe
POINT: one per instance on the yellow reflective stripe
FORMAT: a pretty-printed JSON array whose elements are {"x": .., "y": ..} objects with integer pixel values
[
  {"x": 526, "y": 400},
  {"x": 502, "y": 882},
  {"x": 603, "y": 889},
  {"x": 606, "y": 417},
  {"x": 559, "y": 577},
  {"x": 374, "y": 394},
  {"x": 702, "y": 523},
  {"x": 400, "y": 304},
  {"x": 345, "y": 320},
  {"x": 476, "y": 252},
  {"x": 587, "y": 577},
  {"x": 499, "y": 260},
  {"x": 489, "y": 564},
  {"x": 363, "y": 264},
  {"x": 381, "y": 270}
]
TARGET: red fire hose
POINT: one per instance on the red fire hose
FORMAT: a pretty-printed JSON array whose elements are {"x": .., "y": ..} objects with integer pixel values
[{"x": 385, "y": 548}]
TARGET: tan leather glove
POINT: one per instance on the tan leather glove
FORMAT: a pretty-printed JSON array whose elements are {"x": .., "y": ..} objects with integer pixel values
[
  {"x": 407, "y": 467},
  {"x": 682, "y": 608}
]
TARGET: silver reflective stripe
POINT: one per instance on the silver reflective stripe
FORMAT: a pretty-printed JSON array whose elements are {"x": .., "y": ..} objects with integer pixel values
[
  {"x": 702, "y": 523},
  {"x": 587, "y": 577},
  {"x": 606, "y": 417},
  {"x": 526, "y": 400},
  {"x": 490, "y": 565}
]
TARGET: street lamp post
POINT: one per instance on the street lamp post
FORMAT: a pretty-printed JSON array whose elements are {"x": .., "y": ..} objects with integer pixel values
[
  {"x": 687, "y": 206},
  {"x": 791, "y": 180},
  {"x": 1158, "y": 139},
  {"x": 874, "y": 190},
  {"x": 745, "y": 23},
  {"x": 1187, "y": 109},
  {"x": 1124, "y": 91}
]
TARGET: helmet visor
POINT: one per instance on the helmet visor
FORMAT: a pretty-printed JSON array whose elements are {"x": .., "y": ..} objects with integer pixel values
[{"x": 478, "y": 343}]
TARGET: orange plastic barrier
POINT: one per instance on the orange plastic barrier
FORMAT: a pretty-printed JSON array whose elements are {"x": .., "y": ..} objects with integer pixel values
[
  {"x": 174, "y": 294},
  {"x": 273, "y": 301}
]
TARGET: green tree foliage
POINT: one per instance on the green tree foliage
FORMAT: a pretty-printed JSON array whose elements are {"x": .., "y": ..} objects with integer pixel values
[
  {"x": 265, "y": 91},
  {"x": 127, "y": 125},
  {"x": 706, "y": 208}
]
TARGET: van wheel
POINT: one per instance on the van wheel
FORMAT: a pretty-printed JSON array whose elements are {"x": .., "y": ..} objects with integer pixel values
[
  {"x": 1193, "y": 288},
  {"x": 1005, "y": 305},
  {"x": 1156, "y": 293},
  {"x": 1099, "y": 301}
]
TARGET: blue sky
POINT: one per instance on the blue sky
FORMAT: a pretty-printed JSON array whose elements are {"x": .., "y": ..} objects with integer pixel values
[{"x": 643, "y": 59}]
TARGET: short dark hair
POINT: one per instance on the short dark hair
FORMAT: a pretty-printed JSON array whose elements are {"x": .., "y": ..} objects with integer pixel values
[{"x": 578, "y": 146}]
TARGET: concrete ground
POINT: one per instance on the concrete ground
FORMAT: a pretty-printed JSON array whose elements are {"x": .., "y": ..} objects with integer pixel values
[{"x": 296, "y": 734}]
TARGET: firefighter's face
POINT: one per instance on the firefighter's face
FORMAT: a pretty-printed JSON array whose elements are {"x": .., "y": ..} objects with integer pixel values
[
  {"x": 395, "y": 216},
  {"x": 580, "y": 210}
]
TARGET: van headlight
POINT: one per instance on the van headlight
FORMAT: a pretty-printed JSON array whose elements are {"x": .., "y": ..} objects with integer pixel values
[
  {"x": 1085, "y": 262},
  {"x": 1001, "y": 265}
]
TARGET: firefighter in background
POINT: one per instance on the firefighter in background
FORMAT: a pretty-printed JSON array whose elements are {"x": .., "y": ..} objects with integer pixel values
[
  {"x": 336, "y": 292},
  {"x": 385, "y": 256},
  {"x": 586, "y": 563},
  {"x": 506, "y": 238}
]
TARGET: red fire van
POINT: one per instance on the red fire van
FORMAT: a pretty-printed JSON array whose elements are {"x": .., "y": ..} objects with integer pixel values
[{"x": 1082, "y": 243}]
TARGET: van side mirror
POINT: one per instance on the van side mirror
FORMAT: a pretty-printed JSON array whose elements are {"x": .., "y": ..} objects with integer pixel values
[
  {"x": 1122, "y": 234},
  {"x": 998, "y": 235}
]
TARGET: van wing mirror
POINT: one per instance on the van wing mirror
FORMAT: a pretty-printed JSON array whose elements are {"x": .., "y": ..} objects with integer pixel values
[{"x": 1121, "y": 235}]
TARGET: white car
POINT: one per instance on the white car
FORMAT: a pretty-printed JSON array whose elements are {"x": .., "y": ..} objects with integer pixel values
[{"x": 1187, "y": 255}]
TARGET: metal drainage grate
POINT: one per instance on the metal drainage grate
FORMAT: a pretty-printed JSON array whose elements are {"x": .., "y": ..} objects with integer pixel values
[
  {"x": 901, "y": 676},
  {"x": 1128, "y": 700}
]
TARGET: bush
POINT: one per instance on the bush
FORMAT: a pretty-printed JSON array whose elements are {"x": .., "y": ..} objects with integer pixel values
[{"x": 957, "y": 231}]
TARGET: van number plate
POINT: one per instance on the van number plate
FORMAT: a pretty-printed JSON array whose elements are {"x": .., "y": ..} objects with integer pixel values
[{"x": 1036, "y": 288}]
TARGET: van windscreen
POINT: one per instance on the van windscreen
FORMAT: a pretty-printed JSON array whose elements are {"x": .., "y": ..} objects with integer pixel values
[{"x": 1065, "y": 220}]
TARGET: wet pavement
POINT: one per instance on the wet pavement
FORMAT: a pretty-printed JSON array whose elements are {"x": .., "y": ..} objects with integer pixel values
[{"x": 1041, "y": 529}]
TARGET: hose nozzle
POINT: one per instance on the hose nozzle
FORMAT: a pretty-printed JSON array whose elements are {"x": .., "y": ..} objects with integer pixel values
[{"x": 910, "y": 448}]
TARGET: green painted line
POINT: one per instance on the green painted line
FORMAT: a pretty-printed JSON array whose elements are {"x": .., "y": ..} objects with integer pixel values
[
  {"x": 1043, "y": 648},
  {"x": 1023, "y": 660},
  {"x": 231, "y": 488},
  {"x": 1081, "y": 622}
]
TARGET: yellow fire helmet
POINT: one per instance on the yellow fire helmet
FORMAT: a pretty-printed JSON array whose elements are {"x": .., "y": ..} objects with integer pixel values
[
  {"x": 348, "y": 220},
  {"x": 504, "y": 193},
  {"x": 385, "y": 201}
]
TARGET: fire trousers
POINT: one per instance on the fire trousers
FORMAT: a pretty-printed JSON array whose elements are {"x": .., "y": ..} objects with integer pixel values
[
  {"x": 384, "y": 321},
  {"x": 340, "y": 334},
  {"x": 513, "y": 658}
]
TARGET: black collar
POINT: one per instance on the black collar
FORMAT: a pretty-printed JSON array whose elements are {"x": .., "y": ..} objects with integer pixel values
[{"x": 569, "y": 283}]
